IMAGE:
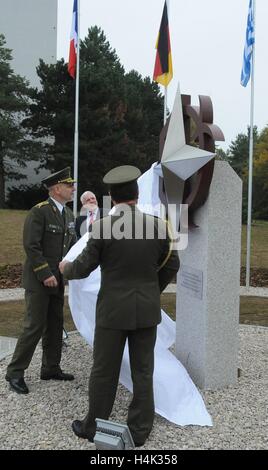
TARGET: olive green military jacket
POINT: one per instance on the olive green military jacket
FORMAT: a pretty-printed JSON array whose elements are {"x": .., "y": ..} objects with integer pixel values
[
  {"x": 46, "y": 241},
  {"x": 133, "y": 271}
]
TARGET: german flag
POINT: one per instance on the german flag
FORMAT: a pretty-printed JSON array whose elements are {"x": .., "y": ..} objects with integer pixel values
[{"x": 163, "y": 71}]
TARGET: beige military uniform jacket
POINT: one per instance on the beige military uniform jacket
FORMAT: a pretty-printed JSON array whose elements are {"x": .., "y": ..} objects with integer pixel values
[
  {"x": 46, "y": 241},
  {"x": 133, "y": 271}
]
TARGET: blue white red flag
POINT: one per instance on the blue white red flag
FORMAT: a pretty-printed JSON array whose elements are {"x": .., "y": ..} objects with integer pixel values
[{"x": 73, "y": 42}]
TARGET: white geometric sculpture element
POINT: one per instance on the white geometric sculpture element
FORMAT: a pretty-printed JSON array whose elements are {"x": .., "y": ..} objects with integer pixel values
[{"x": 179, "y": 161}]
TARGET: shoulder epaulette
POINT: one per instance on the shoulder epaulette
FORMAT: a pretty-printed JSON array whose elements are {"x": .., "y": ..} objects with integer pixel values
[{"x": 41, "y": 204}]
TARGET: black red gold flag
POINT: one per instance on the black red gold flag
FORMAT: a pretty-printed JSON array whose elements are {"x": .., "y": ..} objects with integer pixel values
[{"x": 163, "y": 71}]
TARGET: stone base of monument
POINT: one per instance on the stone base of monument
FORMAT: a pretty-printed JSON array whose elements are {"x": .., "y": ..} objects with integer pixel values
[{"x": 207, "y": 317}]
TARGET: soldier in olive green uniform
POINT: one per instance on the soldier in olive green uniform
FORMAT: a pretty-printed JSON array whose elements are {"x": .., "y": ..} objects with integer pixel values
[
  {"x": 48, "y": 234},
  {"x": 134, "y": 271}
]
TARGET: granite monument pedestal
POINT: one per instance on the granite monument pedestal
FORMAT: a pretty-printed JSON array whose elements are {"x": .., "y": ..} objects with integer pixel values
[{"x": 207, "y": 310}]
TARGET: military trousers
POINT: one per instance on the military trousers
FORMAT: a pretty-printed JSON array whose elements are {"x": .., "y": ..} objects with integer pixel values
[
  {"x": 43, "y": 318},
  {"x": 107, "y": 357}
]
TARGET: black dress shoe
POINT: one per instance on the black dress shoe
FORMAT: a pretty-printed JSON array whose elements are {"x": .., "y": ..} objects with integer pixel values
[
  {"x": 139, "y": 444},
  {"x": 57, "y": 376},
  {"x": 17, "y": 384},
  {"x": 77, "y": 429}
]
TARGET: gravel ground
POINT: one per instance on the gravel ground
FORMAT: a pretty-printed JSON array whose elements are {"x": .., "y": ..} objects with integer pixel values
[{"x": 42, "y": 419}]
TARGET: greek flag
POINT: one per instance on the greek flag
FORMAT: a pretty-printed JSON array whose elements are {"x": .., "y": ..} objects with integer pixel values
[{"x": 250, "y": 39}]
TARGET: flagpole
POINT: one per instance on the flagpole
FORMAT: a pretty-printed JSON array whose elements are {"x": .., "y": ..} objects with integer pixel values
[
  {"x": 250, "y": 159},
  {"x": 76, "y": 135}
]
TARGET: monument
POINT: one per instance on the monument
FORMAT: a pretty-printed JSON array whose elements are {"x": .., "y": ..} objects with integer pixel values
[{"x": 207, "y": 307}]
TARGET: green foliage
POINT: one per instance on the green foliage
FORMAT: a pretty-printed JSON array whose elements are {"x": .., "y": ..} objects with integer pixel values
[
  {"x": 239, "y": 159},
  {"x": 222, "y": 155},
  {"x": 16, "y": 144},
  {"x": 25, "y": 196},
  {"x": 260, "y": 177},
  {"x": 120, "y": 115}
]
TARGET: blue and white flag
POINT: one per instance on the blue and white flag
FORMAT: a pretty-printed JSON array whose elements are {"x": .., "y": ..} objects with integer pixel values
[{"x": 250, "y": 39}]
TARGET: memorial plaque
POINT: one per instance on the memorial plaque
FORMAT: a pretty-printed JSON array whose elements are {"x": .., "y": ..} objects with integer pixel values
[{"x": 192, "y": 280}]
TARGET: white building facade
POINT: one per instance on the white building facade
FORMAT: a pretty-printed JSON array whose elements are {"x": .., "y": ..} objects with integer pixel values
[{"x": 30, "y": 30}]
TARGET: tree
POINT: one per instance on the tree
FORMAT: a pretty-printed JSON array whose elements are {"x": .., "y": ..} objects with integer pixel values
[
  {"x": 16, "y": 144},
  {"x": 238, "y": 154},
  {"x": 222, "y": 155},
  {"x": 260, "y": 177},
  {"x": 120, "y": 115},
  {"x": 239, "y": 151},
  {"x": 51, "y": 115}
]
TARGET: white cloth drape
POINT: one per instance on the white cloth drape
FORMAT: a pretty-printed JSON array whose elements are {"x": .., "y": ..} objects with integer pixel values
[{"x": 176, "y": 397}]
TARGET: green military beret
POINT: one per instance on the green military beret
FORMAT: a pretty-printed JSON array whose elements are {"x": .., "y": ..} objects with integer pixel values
[
  {"x": 62, "y": 176},
  {"x": 122, "y": 174}
]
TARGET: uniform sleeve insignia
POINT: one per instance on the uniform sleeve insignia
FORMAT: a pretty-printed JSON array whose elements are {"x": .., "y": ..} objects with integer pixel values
[{"x": 39, "y": 268}]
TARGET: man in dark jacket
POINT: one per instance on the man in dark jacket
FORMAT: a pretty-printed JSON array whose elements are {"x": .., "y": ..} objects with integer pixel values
[
  {"x": 88, "y": 213},
  {"x": 48, "y": 235},
  {"x": 136, "y": 266}
]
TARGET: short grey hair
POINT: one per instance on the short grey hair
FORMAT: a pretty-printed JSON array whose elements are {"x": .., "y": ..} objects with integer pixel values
[{"x": 84, "y": 195}]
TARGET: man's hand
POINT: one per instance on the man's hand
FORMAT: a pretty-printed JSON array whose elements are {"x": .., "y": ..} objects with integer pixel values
[
  {"x": 50, "y": 282},
  {"x": 62, "y": 265}
]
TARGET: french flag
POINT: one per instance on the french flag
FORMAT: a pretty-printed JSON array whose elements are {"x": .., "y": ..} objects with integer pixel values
[{"x": 73, "y": 42}]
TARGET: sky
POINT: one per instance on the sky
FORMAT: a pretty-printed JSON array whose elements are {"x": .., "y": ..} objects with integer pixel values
[{"x": 207, "y": 43}]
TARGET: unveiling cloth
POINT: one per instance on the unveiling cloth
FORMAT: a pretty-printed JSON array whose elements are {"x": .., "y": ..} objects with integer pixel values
[{"x": 176, "y": 397}]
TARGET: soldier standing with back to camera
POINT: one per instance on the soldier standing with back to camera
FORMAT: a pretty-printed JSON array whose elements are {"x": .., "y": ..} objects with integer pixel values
[
  {"x": 135, "y": 269},
  {"x": 48, "y": 235}
]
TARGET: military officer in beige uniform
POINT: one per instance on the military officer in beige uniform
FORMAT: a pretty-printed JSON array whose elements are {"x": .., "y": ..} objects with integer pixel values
[
  {"x": 48, "y": 234},
  {"x": 135, "y": 269}
]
